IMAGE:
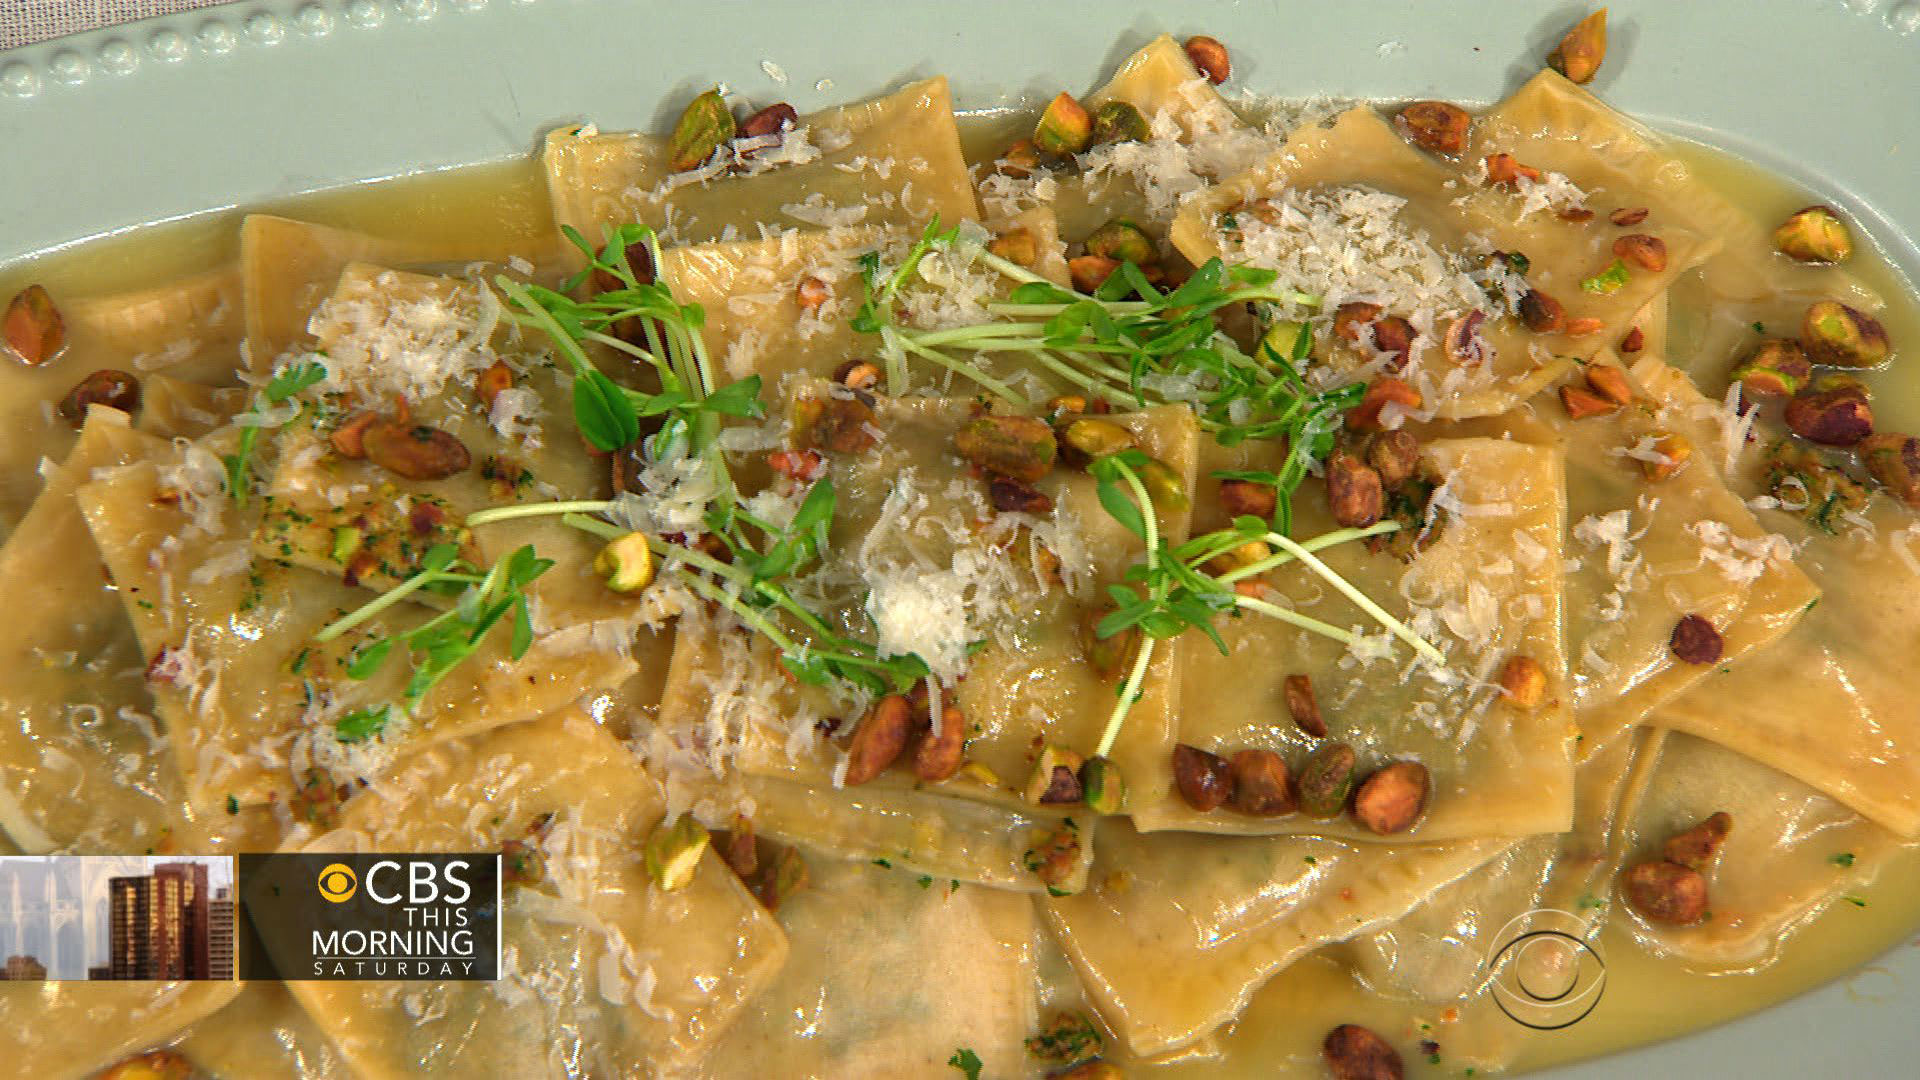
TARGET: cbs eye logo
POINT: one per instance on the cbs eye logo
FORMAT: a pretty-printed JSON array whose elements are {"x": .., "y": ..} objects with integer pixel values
[
  {"x": 1544, "y": 972},
  {"x": 337, "y": 883}
]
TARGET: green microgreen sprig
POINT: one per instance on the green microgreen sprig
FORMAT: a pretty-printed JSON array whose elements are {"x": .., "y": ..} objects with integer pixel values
[
  {"x": 607, "y": 413},
  {"x": 1112, "y": 342},
  {"x": 1169, "y": 592},
  {"x": 282, "y": 387},
  {"x": 761, "y": 554},
  {"x": 440, "y": 644}
]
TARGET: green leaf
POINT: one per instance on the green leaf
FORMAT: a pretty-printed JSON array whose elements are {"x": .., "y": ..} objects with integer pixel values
[
  {"x": 816, "y": 509},
  {"x": 524, "y": 565},
  {"x": 522, "y": 629},
  {"x": 810, "y": 669},
  {"x": 1120, "y": 621},
  {"x": 967, "y": 1062},
  {"x": 439, "y": 557},
  {"x": 1041, "y": 292},
  {"x": 1120, "y": 505},
  {"x": 664, "y": 402},
  {"x": 738, "y": 399},
  {"x": 362, "y": 724},
  {"x": 368, "y": 660},
  {"x": 603, "y": 412},
  {"x": 291, "y": 380}
]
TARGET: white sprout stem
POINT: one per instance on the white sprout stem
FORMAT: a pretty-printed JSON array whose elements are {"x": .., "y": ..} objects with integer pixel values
[
  {"x": 961, "y": 335},
  {"x": 1128, "y": 693},
  {"x": 1118, "y": 307},
  {"x": 1318, "y": 543},
  {"x": 529, "y": 510},
  {"x": 1131, "y": 689},
  {"x": 998, "y": 388},
  {"x": 1081, "y": 379},
  {"x": 630, "y": 349},
  {"x": 605, "y": 530},
  {"x": 740, "y": 611},
  {"x": 1115, "y": 374},
  {"x": 896, "y": 359},
  {"x": 702, "y": 361},
  {"x": 377, "y": 605},
  {"x": 1360, "y": 599},
  {"x": 1010, "y": 269},
  {"x": 1294, "y": 618},
  {"x": 545, "y": 320}
]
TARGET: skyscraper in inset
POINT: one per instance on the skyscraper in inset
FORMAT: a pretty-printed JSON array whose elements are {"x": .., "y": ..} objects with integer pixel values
[
  {"x": 220, "y": 935},
  {"x": 160, "y": 925}
]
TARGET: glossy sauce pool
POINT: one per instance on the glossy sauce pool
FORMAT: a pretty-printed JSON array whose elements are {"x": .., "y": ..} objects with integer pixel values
[{"x": 504, "y": 206}]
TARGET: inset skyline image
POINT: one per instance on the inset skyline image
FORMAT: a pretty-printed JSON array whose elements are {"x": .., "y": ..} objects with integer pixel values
[{"x": 77, "y": 917}]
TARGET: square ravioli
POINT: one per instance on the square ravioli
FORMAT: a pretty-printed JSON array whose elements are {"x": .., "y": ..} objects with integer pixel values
[
  {"x": 917, "y": 552},
  {"x": 890, "y": 161},
  {"x": 1845, "y": 663},
  {"x": 424, "y": 342},
  {"x": 855, "y": 1003},
  {"x": 1791, "y": 851},
  {"x": 1485, "y": 589},
  {"x": 625, "y": 974},
  {"x": 1178, "y": 932},
  {"x": 1349, "y": 214},
  {"x": 252, "y": 704}
]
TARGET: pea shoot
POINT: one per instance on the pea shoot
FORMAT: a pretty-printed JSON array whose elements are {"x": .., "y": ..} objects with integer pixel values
[
  {"x": 441, "y": 643},
  {"x": 285, "y": 383},
  {"x": 1168, "y": 592},
  {"x": 1125, "y": 351},
  {"x": 760, "y": 554}
]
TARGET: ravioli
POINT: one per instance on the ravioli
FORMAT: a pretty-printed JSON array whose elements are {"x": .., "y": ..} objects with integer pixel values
[
  {"x": 906, "y": 523},
  {"x": 1485, "y": 590},
  {"x": 1195, "y": 138},
  {"x": 287, "y": 267},
  {"x": 1176, "y": 932},
  {"x": 516, "y": 457},
  {"x": 918, "y": 830},
  {"x": 891, "y": 161},
  {"x": 750, "y": 292},
  {"x": 1791, "y": 852},
  {"x": 1440, "y": 950},
  {"x": 599, "y": 967},
  {"x": 249, "y": 702},
  {"x": 87, "y": 767},
  {"x": 1845, "y": 663},
  {"x": 263, "y": 1035},
  {"x": 1652, "y": 553},
  {"x": 859, "y": 1004},
  {"x": 190, "y": 329},
  {"x": 1614, "y": 164},
  {"x": 66, "y": 1031},
  {"x": 1358, "y": 216}
]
